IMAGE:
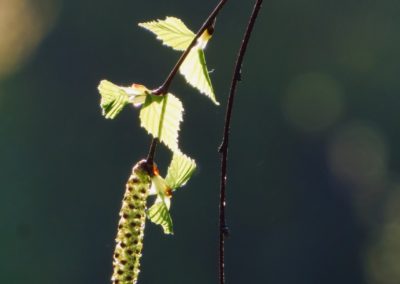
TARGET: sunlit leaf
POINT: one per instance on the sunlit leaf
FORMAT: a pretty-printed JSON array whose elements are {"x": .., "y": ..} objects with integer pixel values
[
  {"x": 171, "y": 31},
  {"x": 160, "y": 187},
  {"x": 180, "y": 170},
  {"x": 161, "y": 116},
  {"x": 113, "y": 98},
  {"x": 195, "y": 71},
  {"x": 158, "y": 213}
]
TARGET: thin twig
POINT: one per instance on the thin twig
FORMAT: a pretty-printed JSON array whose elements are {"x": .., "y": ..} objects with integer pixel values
[
  {"x": 152, "y": 151},
  {"x": 223, "y": 229},
  {"x": 163, "y": 89}
]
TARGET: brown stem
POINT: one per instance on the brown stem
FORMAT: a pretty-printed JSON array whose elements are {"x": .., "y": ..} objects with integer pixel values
[
  {"x": 152, "y": 151},
  {"x": 223, "y": 229}
]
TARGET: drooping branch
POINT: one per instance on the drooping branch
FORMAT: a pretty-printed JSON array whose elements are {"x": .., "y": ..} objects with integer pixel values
[{"x": 223, "y": 229}]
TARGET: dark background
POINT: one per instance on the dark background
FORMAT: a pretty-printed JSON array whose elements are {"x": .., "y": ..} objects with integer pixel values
[{"x": 314, "y": 162}]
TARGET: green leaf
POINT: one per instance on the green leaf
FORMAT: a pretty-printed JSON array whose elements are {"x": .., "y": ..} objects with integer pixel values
[
  {"x": 161, "y": 117},
  {"x": 161, "y": 188},
  {"x": 195, "y": 71},
  {"x": 113, "y": 98},
  {"x": 171, "y": 31},
  {"x": 158, "y": 213},
  {"x": 180, "y": 170}
]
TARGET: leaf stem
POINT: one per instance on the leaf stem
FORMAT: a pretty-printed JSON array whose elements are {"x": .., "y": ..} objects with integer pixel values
[{"x": 223, "y": 149}]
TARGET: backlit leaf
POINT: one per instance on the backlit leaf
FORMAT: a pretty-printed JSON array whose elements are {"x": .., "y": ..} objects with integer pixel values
[
  {"x": 113, "y": 98},
  {"x": 171, "y": 31},
  {"x": 180, "y": 170},
  {"x": 158, "y": 213},
  {"x": 161, "y": 117},
  {"x": 195, "y": 71}
]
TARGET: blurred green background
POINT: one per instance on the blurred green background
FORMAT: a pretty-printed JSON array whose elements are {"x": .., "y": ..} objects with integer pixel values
[{"x": 314, "y": 188}]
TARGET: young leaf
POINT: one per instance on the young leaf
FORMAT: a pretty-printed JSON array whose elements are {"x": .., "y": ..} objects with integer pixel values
[
  {"x": 180, "y": 170},
  {"x": 195, "y": 71},
  {"x": 158, "y": 213},
  {"x": 161, "y": 117},
  {"x": 171, "y": 31},
  {"x": 113, "y": 99},
  {"x": 161, "y": 188}
]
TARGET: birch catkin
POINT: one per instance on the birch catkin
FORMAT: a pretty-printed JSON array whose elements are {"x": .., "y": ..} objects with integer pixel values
[{"x": 129, "y": 240}]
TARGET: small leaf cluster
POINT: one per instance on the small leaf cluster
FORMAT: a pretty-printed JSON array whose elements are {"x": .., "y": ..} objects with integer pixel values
[{"x": 179, "y": 172}]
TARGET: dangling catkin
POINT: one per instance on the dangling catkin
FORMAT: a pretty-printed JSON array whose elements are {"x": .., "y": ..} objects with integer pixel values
[{"x": 129, "y": 240}]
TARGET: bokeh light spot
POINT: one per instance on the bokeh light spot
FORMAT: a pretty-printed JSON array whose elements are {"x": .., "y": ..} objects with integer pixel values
[
  {"x": 358, "y": 155},
  {"x": 382, "y": 262},
  {"x": 23, "y": 24},
  {"x": 313, "y": 102}
]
